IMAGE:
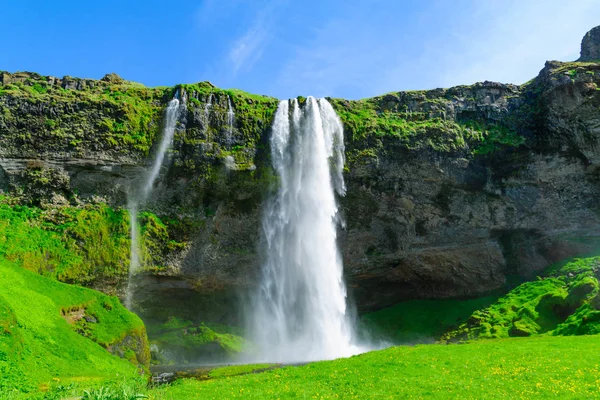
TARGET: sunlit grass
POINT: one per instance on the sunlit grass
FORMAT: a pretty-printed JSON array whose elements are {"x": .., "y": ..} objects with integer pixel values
[{"x": 517, "y": 368}]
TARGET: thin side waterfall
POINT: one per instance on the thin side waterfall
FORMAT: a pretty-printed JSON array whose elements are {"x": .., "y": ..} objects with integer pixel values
[
  {"x": 206, "y": 115},
  {"x": 230, "y": 119},
  {"x": 134, "y": 257},
  {"x": 300, "y": 309},
  {"x": 169, "y": 131},
  {"x": 171, "y": 117}
]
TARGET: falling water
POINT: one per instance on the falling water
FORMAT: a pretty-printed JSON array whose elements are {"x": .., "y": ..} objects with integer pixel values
[
  {"x": 165, "y": 143},
  {"x": 300, "y": 311},
  {"x": 134, "y": 260},
  {"x": 207, "y": 107},
  {"x": 172, "y": 114},
  {"x": 230, "y": 118}
]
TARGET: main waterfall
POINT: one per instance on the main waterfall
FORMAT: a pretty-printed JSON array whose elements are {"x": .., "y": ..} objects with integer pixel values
[{"x": 300, "y": 310}]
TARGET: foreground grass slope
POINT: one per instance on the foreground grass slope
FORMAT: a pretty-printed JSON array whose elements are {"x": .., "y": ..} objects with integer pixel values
[
  {"x": 51, "y": 332},
  {"x": 517, "y": 368}
]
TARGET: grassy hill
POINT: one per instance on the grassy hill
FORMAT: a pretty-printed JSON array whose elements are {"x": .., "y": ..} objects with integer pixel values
[{"x": 53, "y": 334}]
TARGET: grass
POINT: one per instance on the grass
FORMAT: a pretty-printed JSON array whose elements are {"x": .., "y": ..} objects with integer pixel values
[
  {"x": 46, "y": 337},
  {"x": 208, "y": 373},
  {"x": 520, "y": 368},
  {"x": 234, "y": 370},
  {"x": 421, "y": 321},
  {"x": 541, "y": 367}
]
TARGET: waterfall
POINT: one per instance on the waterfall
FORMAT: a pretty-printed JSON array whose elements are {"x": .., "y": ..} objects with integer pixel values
[
  {"x": 230, "y": 118},
  {"x": 134, "y": 257},
  {"x": 300, "y": 309},
  {"x": 207, "y": 107},
  {"x": 171, "y": 116},
  {"x": 169, "y": 130}
]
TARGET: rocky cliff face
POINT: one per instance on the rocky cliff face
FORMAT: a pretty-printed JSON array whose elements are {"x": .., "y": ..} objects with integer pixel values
[
  {"x": 590, "y": 45},
  {"x": 450, "y": 191}
]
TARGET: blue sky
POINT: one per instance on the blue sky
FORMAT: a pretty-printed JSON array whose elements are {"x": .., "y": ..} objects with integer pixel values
[{"x": 285, "y": 48}]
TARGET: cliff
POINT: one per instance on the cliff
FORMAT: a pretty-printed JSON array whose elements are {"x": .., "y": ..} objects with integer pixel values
[{"x": 450, "y": 191}]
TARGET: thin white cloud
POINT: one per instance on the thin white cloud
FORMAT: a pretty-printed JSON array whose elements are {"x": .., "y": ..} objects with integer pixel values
[
  {"x": 249, "y": 47},
  {"x": 365, "y": 51},
  {"x": 519, "y": 36}
]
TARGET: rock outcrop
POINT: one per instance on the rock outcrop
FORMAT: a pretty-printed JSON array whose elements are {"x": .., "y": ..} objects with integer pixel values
[
  {"x": 590, "y": 45},
  {"x": 450, "y": 191}
]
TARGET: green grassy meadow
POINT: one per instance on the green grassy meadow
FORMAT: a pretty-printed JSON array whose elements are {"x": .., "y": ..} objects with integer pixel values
[{"x": 517, "y": 368}]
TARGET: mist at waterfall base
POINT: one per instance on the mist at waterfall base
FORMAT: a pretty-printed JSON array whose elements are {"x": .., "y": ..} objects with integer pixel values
[
  {"x": 139, "y": 196},
  {"x": 299, "y": 312}
]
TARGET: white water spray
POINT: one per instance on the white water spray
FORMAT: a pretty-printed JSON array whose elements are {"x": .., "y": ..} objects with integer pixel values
[
  {"x": 171, "y": 116},
  {"x": 300, "y": 311}
]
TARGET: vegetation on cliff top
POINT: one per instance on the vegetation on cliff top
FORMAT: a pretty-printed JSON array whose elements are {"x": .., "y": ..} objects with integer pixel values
[
  {"x": 80, "y": 115},
  {"x": 124, "y": 117},
  {"x": 371, "y": 126},
  {"x": 119, "y": 119},
  {"x": 52, "y": 333}
]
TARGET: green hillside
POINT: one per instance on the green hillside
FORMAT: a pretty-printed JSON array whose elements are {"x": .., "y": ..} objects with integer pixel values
[{"x": 54, "y": 334}]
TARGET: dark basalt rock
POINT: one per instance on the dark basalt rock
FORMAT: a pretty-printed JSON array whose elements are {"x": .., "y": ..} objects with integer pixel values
[{"x": 590, "y": 45}]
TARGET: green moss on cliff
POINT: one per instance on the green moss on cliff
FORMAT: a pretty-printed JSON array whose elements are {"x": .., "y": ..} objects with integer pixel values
[
  {"x": 52, "y": 331},
  {"x": 564, "y": 303},
  {"x": 492, "y": 137},
  {"x": 371, "y": 123},
  {"x": 421, "y": 321},
  {"x": 180, "y": 341},
  {"x": 72, "y": 244},
  {"x": 209, "y": 141},
  {"x": 81, "y": 116},
  {"x": 83, "y": 244},
  {"x": 574, "y": 68},
  {"x": 364, "y": 120}
]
